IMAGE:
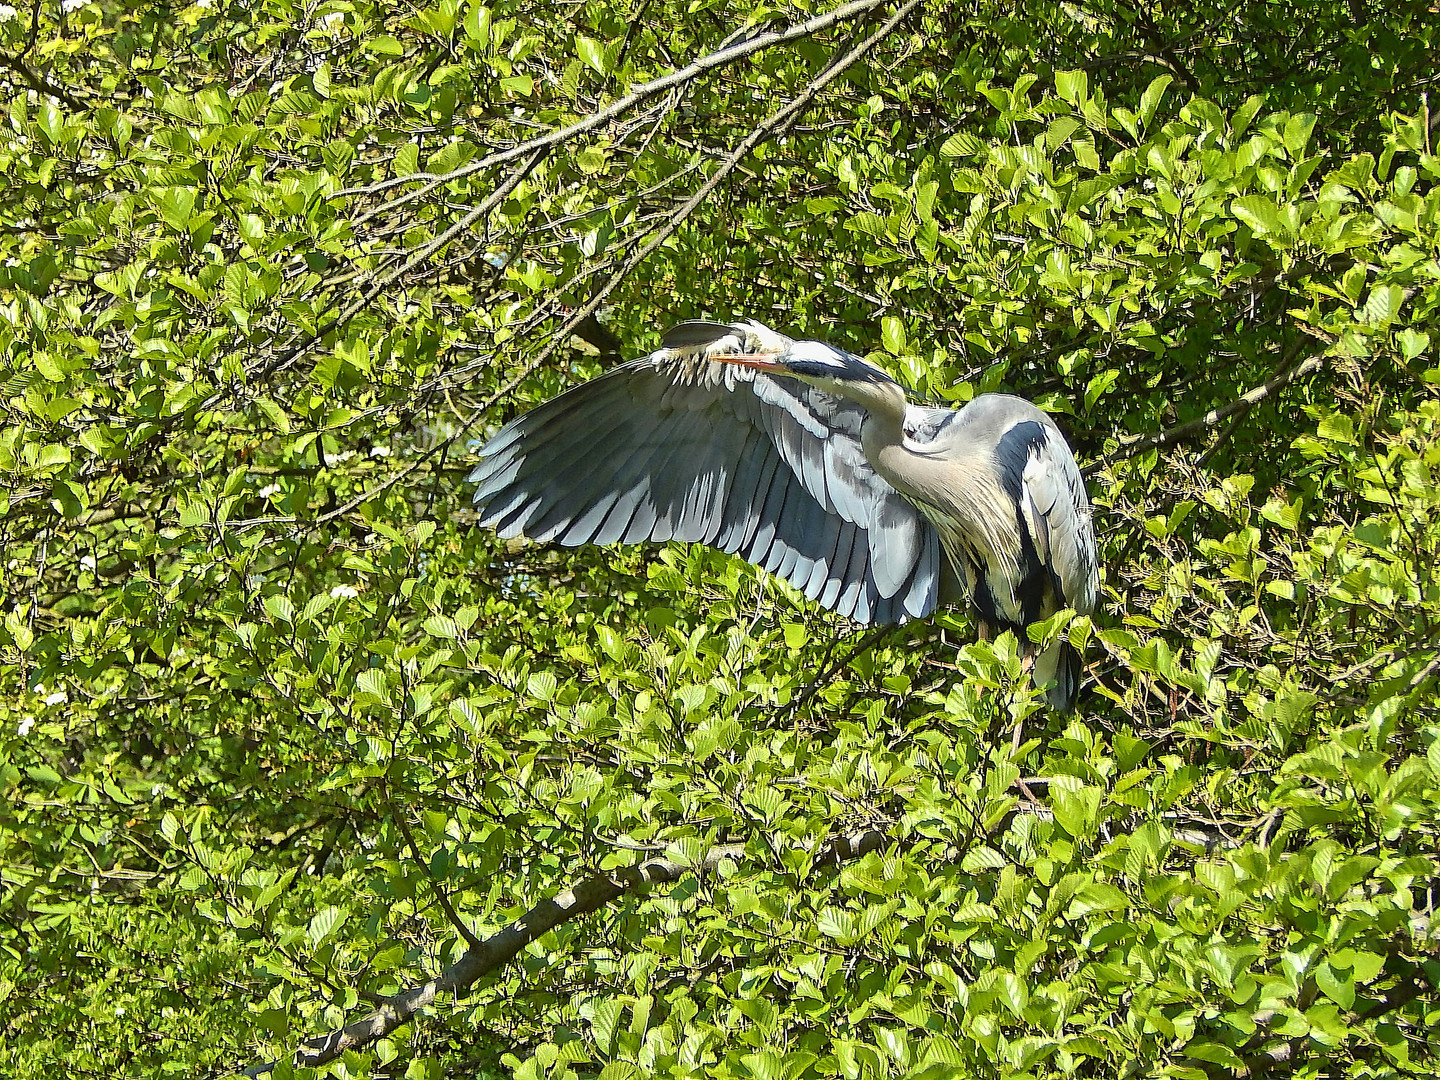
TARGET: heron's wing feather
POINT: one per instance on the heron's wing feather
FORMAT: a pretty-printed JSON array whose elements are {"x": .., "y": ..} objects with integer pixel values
[
  {"x": 677, "y": 446},
  {"x": 1063, "y": 531}
]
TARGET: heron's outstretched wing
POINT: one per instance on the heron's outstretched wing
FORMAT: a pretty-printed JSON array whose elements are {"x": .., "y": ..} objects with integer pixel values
[{"x": 680, "y": 447}]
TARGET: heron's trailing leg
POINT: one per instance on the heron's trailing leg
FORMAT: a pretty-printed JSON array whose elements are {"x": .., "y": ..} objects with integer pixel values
[{"x": 1017, "y": 737}]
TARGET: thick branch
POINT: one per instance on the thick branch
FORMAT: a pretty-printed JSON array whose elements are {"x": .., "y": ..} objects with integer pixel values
[
  {"x": 39, "y": 85},
  {"x": 500, "y": 948},
  {"x": 1180, "y": 432}
]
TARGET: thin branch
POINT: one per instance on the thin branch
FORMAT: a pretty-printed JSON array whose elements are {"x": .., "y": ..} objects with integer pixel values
[
  {"x": 39, "y": 85},
  {"x": 503, "y": 946},
  {"x": 419, "y": 255},
  {"x": 1180, "y": 432},
  {"x": 775, "y": 124},
  {"x": 540, "y": 147},
  {"x": 1424, "y": 673},
  {"x": 813, "y": 687},
  {"x": 719, "y": 58},
  {"x": 1167, "y": 57},
  {"x": 1397, "y": 997},
  {"x": 450, "y": 912}
]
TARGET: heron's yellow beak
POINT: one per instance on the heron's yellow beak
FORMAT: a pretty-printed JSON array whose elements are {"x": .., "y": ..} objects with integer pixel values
[{"x": 758, "y": 361}]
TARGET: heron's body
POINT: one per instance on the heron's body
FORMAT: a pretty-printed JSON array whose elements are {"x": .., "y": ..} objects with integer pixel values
[{"x": 810, "y": 462}]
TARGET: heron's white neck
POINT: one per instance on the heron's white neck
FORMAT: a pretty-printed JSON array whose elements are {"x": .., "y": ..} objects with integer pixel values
[
  {"x": 884, "y": 404},
  {"x": 920, "y": 477},
  {"x": 882, "y": 435}
]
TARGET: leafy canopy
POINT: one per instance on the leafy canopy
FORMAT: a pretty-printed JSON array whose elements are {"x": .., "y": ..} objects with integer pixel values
[{"x": 285, "y": 736}]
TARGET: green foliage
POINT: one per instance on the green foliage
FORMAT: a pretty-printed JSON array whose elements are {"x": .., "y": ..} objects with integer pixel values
[{"x": 277, "y": 716}]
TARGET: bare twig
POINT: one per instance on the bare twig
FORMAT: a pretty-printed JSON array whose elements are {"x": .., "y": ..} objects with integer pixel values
[
  {"x": 719, "y": 58},
  {"x": 775, "y": 124},
  {"x": 440, "y": 895},
  {"x": 419, "y": 255},
  {"x": 1167, "y": 57}
]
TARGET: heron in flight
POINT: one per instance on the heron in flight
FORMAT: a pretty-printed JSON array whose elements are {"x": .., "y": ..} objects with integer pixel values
[{"x": 809, "y": 461}]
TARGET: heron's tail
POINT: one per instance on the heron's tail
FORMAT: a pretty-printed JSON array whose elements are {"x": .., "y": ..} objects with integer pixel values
[{"x": 1059, "y": 664}]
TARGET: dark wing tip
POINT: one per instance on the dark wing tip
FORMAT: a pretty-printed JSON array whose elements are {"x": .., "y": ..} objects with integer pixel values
[{"x": 695, "y": 333}]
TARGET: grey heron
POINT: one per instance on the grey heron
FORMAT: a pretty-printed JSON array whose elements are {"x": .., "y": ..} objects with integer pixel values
[{"x": 810, "y": 462}]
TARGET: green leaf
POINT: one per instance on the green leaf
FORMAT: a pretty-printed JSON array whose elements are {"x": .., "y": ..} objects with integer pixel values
[
  {"x": 274, "y": 414},
  {"x": 592, "y": 52},
  {"x": 1072, "y": 86},
  {"x": 1077, "y": 809},
  {"x": 1095, "y": 897},
  {"x": 51, "y": 455},
  {"x": 892, "y": 335},
  {"x": 1215, "y": 1053},
  {"x": 962, "y": 144},
  {"x": 1382, "y": 305},
  {"x": 1153, "y": 95},
  {"x": 1296, "y": 133},
  {"x": 1338, "y": 986},
  {"x": 441, "y": 626},
  {"x": 324, "y": 923},
  {"x": 477, "y": 25},
  {"x": 542, "y": 685},
  {"x": 1260, "y": 213},
  {"x": 591, "y": 159},
  {"x": 1014, "y": 994},
  {"x": 1098, "y": 385},
  {"x": 371, "y": 684},
  {"x": 384, "y": 45},
  {"x": 1412, "y": 342},
  {"x": 176, "y": 205}
]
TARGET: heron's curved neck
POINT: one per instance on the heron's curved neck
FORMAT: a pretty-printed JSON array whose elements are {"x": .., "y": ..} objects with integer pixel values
[
  {"x": 919, "y": 477},
  {"x": 884, "y": 404},
  {"x": 883, "y": 432}
]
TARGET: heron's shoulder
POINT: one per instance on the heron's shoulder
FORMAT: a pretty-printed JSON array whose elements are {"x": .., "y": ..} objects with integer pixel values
[
  {"x": 984, "y": 420},
  {"x": 990, "y": 416}
]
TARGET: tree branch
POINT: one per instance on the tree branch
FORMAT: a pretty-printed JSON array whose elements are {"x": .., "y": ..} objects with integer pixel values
[
  {"x": 503, "y": 946},
  {"x": 413, "y": 259},
  {"x": 39, "y": 85},
  {"x": 458, "y": 923},
  {"x": 719, "y": 58},
  {"x": 776, "y": 123},
  {"x": 1180, "y": 432}
]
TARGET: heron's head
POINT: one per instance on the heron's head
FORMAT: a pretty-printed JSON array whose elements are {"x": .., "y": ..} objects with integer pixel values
[
  {"x": 835, "y": 371},
  {"x": 823, "y": 366}
]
